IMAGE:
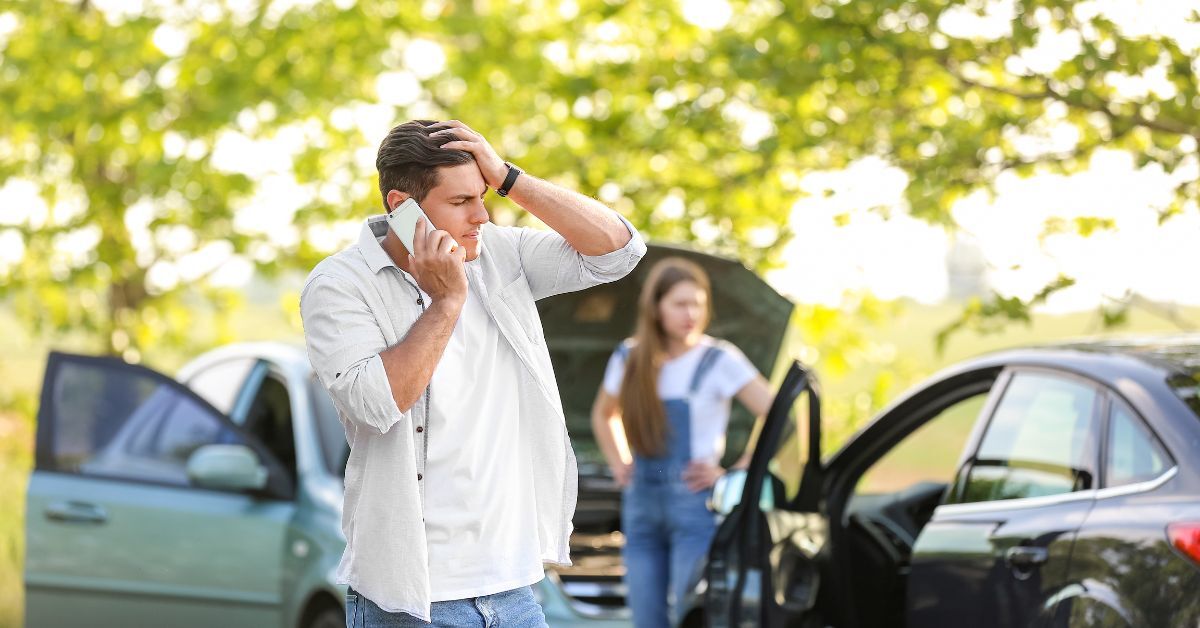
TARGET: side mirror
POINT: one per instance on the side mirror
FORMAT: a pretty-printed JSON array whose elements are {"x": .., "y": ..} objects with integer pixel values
[
  {"x": 727, "y": 493},
  {"x": 228, "y": 467}
]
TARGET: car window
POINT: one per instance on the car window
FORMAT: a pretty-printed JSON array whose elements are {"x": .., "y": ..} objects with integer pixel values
[
  {"x": 269, "y": 419},
  {"x": 128, "y": 424},
  {"x": 1040, "y": 441},
  {"x": 786, "y": 466},
  {"x": 219, "y": 383},
  {"x": 929, "y": 454},
  {"x": 1134, "y": 455},
  {"x": 334, "y": 448}
]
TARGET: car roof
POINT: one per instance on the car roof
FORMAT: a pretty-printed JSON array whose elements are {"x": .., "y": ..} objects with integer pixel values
[
  {"x": 1147, "y": 361},
  {"x": 1177, "y": 353},
  {"x": 289, "y": 356}
]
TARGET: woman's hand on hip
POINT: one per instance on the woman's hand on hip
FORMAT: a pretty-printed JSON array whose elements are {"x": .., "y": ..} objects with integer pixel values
[
  {"x": 700, "y": 475},
  {"x": 622, "y": 473}
]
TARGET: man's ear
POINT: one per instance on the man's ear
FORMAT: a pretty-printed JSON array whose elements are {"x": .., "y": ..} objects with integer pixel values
[{"x": 394, "y": 198}]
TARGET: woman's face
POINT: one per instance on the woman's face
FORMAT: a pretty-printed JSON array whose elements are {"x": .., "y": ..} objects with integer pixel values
[{"x": 683, "y": 310}]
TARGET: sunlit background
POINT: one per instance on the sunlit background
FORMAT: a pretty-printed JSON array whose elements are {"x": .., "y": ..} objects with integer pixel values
[{"x": 926, "y": 180}]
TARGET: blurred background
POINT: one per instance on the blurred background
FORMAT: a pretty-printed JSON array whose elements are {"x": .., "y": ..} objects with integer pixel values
[{"x": 926, "y": 179}]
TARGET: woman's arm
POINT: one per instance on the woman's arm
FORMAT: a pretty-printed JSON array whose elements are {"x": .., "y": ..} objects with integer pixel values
[
  {"x": 610, "y": 436},
  {"x": 757, "y": 397}
]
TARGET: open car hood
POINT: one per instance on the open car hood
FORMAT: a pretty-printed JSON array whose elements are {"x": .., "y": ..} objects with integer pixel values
[{"x": 582, "y": 329}]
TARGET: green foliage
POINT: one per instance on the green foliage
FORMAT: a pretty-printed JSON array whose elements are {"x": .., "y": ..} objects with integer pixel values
[
  {"x": 992, "y": 315},
  {"x": 630, "y": 102},
  {"x": 16, "y": 459}
]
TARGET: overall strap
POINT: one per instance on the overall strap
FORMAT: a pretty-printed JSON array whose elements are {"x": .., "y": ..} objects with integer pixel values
[{"x": 707, "y": 361}]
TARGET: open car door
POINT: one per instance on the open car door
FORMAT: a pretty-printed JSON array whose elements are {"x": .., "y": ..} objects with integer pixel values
[
  {"x": 147, "y": 505},
  {"x": 762, "y": 568}
]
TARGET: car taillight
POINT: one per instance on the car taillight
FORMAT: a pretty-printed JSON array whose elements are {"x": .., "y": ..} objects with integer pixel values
[{"x": 1186, "y": 538}]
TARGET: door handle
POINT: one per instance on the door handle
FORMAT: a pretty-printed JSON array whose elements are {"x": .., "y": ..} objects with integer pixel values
[
  {"x": 76, "y": 512},
  {"x": 1025, "y": 557}
]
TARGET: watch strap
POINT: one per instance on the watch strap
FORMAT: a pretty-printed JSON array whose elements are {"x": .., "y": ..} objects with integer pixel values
[{"x": 509, "y": 180}]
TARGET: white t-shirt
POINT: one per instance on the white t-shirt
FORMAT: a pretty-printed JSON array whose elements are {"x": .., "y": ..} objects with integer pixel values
[
  {"x": 480, "y": 515},
  {"x": 710, "y": 405}
]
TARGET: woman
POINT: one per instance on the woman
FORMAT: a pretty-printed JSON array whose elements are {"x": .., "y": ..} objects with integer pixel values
[{"x": 660, "y": 419}]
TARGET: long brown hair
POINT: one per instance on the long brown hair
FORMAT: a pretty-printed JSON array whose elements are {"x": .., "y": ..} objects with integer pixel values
[{"x": 642, "y": 411}]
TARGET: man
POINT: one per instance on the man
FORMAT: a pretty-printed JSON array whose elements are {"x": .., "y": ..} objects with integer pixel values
[{"x": 461, "y": 481}]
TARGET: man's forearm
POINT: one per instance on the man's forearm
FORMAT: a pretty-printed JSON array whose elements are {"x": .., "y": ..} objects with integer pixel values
[
  {"x": 585, "y": 223},
  {"x": 409, "y": 364}
]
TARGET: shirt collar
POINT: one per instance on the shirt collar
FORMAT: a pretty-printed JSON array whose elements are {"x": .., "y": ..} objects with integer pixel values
[{"x": 374, "y": 228}]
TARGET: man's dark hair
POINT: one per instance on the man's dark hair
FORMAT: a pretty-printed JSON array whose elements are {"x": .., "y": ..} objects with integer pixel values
[{"x": 409, "y": 159}]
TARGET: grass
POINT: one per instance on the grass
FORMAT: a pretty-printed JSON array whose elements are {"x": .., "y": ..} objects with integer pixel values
[
  {"x": 16, "y": 458},
  {"x": 908, "y": 337}
]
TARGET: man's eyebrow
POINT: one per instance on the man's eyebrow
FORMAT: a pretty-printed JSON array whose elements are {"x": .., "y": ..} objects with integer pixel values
[{"x": 466, "y": 196}]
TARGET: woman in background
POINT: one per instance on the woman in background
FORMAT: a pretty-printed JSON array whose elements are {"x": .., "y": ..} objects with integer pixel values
[{"x": 660, "y": 419}]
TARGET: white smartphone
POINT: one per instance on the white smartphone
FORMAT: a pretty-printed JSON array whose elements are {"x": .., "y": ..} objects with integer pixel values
[{"x": 403, "y": 220}]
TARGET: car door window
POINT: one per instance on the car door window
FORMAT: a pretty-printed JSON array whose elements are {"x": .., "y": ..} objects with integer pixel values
[
  {"x": 930, "y": 454},
  {"x": 126, "y": 423},
  {"x": 182, "y": 429},
  {"x": 1040, "y": 441},
  {"x": 269, "y": 419},
  {"x": 1134, "y": 454},
  {"x": 786, "y": 467}
]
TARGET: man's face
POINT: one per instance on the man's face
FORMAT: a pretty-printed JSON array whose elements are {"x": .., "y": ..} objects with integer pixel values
[{"x": 455, "y": 206}]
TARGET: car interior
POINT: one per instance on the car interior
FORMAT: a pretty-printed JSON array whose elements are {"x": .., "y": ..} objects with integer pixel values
[{"x": 894, "y": 496}]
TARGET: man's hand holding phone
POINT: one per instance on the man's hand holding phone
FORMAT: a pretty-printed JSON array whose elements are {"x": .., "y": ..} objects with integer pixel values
[{"x": 437, "y": 263}]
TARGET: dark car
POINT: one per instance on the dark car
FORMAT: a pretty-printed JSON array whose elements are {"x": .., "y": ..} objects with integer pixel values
[{"x": 1055, "y": 486}]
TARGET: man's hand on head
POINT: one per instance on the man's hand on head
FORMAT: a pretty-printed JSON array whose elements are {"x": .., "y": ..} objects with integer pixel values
[{"x": 493, "y": 169}]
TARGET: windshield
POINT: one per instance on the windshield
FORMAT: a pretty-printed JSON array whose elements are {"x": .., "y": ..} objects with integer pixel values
[{"x": 334, "y": 448}]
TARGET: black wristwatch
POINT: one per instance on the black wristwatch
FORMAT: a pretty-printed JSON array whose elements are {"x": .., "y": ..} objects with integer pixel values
[{"x": 509, "y": 180}]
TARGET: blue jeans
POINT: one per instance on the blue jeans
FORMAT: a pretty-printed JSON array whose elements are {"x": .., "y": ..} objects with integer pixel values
[
  {"x": 517, "y": 608},
  {"x": 668, "y": 530}
]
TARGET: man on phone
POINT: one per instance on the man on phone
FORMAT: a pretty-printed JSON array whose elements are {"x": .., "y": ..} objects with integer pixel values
[{"x": 461, "y": 480}]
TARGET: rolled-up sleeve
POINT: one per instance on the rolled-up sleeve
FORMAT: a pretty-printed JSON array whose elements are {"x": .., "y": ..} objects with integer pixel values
[
  {"x": 344, "y": 341},
  {"x": 552, "y": 266}
]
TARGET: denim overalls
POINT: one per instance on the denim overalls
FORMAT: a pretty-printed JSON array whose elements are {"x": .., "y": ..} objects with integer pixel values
[{"x": 667, "y": 528}]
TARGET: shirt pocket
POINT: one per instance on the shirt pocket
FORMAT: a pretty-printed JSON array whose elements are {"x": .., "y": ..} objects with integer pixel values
[{"x": 516, "y": 297}]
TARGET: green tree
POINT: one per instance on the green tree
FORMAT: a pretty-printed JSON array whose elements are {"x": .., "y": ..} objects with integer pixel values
[{"x": 697, "y": 125}]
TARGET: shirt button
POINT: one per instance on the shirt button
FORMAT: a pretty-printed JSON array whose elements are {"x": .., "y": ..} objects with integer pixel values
[
  {"x": 420, "y": 429},
  {"x": 420, "y": 301},
  {"x": 420, "y": 477}
]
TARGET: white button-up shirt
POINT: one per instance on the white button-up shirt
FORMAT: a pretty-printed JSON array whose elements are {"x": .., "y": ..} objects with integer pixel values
[{"x": 357, "y": 303}]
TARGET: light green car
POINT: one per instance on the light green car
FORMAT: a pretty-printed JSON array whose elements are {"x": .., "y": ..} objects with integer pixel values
[{"x": 211, "y": 499}]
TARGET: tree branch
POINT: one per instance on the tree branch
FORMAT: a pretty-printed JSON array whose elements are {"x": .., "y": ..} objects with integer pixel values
[{"x": 1164, "y": 125}]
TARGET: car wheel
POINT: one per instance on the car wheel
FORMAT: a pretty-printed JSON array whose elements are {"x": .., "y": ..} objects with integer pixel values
[{"x": 330, "y": 617}]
